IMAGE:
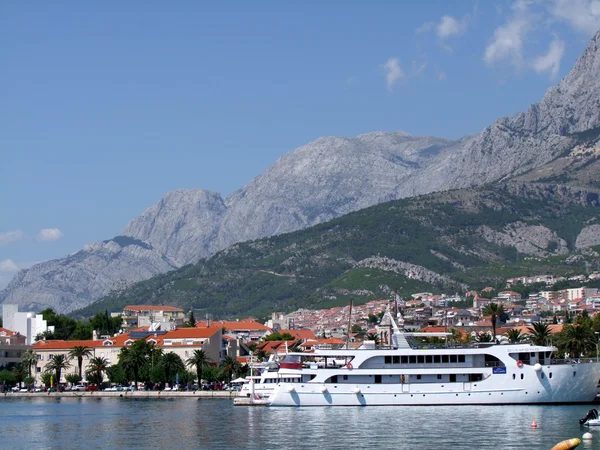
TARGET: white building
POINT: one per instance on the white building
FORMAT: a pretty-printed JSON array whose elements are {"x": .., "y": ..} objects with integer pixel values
[{"x": 28, "y": 324}]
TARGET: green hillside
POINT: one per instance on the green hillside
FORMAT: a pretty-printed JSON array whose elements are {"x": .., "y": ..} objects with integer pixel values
[{"x": 445, "y": 236}]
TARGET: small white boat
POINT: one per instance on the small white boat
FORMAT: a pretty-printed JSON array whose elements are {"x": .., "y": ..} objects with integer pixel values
[{"x": 591, "y": 419}]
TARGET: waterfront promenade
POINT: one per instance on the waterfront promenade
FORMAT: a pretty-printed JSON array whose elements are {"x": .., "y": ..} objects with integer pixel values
[{"x": 124, "y": 394}]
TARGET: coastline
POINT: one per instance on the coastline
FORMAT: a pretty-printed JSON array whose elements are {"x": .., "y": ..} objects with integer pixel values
[{"x": 123, "y": 394}]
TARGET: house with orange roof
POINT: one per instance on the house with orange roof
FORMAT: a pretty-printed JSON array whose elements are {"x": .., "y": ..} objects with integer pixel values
[
  {"x": 248, "y": 330},
  {"x": 301, "y": 335},
  {"x": 12, "y": 346},
  {"x": 163, "y": 318},
  {"x": 183, "y": 342}
]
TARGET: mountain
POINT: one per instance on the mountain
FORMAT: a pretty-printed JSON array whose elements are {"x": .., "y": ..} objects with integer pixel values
[
  {"x": 334, "y": 176},
  {"x": 441, "y": 242},
  {"x": 68, "y": 283}
]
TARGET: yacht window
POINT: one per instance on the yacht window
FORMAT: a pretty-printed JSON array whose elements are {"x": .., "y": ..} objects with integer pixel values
[
  {"x": 452, "y": 378},
  {"x": 444, "y": 358},
  {"x": 412, "y": 359},
  {"x": 428, "y": 359},
  {"x": 404, "y": 359},
  {"x": 453, "y": 358},
  {"x": 421, "y": 359},
  {"x": 532, "y": 353},
  {"x": 542, "y": 376},
  {"x": 461, "y": 358},
  {"x": 388, "y": 360},
  {"x": 439, "y": 377},
  {"x": 396, "y": 360},
  {"x": 418, "y": 377},
  {"x": 550, "y": 375},
  {"x": 522, "y": 376},
  {"x": 377, "y": 379},
  {"x": 345, "y": 377},
  {"x": 436, "y": 359},
  {"x": 514, "y": 376},
  {"x": 574, "y": 373}
]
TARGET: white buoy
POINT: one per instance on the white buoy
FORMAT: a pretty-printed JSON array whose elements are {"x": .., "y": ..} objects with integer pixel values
[
  {"x": 537, "y": 367},
  {"x": 323, "y": 388},
  {"x": 587, "y": 436}
]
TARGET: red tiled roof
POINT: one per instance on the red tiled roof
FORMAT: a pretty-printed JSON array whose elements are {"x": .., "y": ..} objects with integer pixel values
[
  {"x": 183, "y": 333},
  {"x": 65, "y": 345},
  {"x": 151, "y": 308},
  {"x": 238, "y": 325},
  {"x": 7, "y": 331},
  {"x": 300, "y": 334}
]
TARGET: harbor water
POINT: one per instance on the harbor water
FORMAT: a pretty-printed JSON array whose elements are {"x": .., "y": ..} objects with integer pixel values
[{"x": 71, "y": 423}]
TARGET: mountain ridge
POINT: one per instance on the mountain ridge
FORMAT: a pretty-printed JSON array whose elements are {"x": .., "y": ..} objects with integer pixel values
[{"x": 334, "y": 176}]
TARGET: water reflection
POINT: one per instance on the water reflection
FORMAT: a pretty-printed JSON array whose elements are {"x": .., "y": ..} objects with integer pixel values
[{"x": 210, "y": 423}]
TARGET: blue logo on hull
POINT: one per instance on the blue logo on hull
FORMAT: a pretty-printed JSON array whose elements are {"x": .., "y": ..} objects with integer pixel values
[{"x": 497, "y": 370}]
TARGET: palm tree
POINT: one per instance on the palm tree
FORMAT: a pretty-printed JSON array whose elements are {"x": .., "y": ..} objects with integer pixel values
[
  {"x": 97, "y": 366},
  {"x": 539, "y": 333},
  {"x": 231, "y": 366},
  {"x": 19, "y": 373},
  {"x": 483, "y": 337},
  {"x": 133, "y": 358},
  {"x": 514, "y": 336},
  {"x": 373, "y": 337},
  {"x": 59, "y": 363},
  {"x": 29, "y": 359},
  {"x": 577, "y": 339},
  {"x": 198, "y": 360},
  {"x": 79, "y": 352},
  {"x": 171, "y": 363},
  {"x": 494, "y": 310}
]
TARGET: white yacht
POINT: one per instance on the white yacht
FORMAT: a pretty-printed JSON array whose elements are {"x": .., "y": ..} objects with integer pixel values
[{"x": 410, "y": 373}]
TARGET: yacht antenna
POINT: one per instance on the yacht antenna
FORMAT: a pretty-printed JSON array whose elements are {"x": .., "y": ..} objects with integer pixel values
[{"x": 349, "y": 325}]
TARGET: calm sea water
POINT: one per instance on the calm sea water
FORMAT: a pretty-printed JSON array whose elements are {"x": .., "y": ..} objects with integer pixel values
[{"x": 65, "y": 423}]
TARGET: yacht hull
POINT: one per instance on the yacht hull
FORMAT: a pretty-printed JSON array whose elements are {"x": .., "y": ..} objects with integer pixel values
[{"x": 569, "y": 383}]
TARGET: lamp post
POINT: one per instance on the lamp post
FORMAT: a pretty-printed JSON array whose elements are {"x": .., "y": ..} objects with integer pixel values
[{"x": 597, "y": 341}]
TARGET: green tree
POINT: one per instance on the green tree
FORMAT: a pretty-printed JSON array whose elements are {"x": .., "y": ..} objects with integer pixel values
[
  {"x": 79, "y": 352},
  {"x": 539, "y": 333},
  {"x": 98, "y": 366},
  {"x": 117, "y": 374},
  {"x": 20, "y": 373},
  {"x": 7, "y": 378},
  {"x": 494, "y": 310},
  {"x": 57, "y": 364},
  {"x": 483, "y": 337},
  {"x": 135, "y": 357},
  {"x": 191, "y": 322},
  {"x": 29, "y": 382},
  {"x": 514, "y": 336},
  {"x": 73, "y": 378},
  {"x": 45, "y": 377},
  {"x": 29, "y": 360},
  {"x": 171, "y": 363},
  {"x": 231, "y": 367},
  {"x": 577, "y": 340},
  {"x": 261, "y": 355},
  {"x": 199, "y": 360}
]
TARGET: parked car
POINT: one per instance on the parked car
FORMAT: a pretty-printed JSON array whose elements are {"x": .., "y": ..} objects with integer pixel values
[
  {"x": 91, "y": 387},
  {"x": 79, "y": 387},
  {"x": 114, "y": 388},
  {"x": 37, "y": 389}
]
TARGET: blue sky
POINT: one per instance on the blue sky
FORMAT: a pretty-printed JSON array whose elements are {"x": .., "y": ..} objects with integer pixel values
[{"x": 106, "y": 106}]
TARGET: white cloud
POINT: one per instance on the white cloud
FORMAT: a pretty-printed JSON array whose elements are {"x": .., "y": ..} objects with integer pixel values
[
  {"x": 393, "y": 72},
  {"x": 441, "y": 75},
  {"x": 49, "y": 235},
  {"x": 507, "y": 42},
  {"x": 551, "y": 60},
  {"x": 6, "y": 237},
  {"x": 449, "y": 27},
  {"x": 427, "y": 26},
  {"x": 582, "y": 15}
]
